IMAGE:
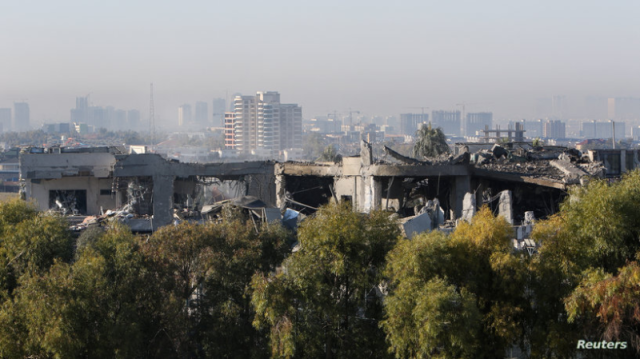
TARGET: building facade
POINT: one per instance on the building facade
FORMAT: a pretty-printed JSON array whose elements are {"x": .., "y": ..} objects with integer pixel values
[
  {"x": 21, "y": 116},
  {"x": 5, "y": 119},
  {"x": 184, "y": 115},
  {"x": 262, "y": 124},
  {"x": 477, "y": 122},
  {"x": 448, "y": 121},
  {"x": 410, "y": 122},
  {"x": 554, "y": 129}
]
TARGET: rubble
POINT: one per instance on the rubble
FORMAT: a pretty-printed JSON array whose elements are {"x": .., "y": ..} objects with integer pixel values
[{"x": 147, "y": 191}]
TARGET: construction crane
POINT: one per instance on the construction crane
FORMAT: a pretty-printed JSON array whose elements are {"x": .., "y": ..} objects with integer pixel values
[{"x": 420, "y": 107}]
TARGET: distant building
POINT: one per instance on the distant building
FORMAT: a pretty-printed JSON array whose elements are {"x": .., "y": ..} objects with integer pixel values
[
  {"x": 261, "y": 124},
  {"x": 63, "y": 127},
  {"x": 325, "y": 125},
  {"x": 229, "y": 134},
  {"x": 553, "y": 129},
  {"x": 623, "y": 108},
  {"x": 635, "y": 133},
  {"x": 448, "y": 121},
  {"x": 410, "y": 122},
  {"x": 602, "y": 129},
  {"x": 559, "y": 107},
  {"x": 5, "y": 119},
  {"x": 119, "y": 121},
  {"x": 98, "y": 117},
  {"x": 21, "y": 116},
  {"x": 133, "y": 119},
  {"x": 218, "y": 108},
  {"x": 81, "y": 112},
  {"x": 202, "y": 113},
  {"x": 534, "y": 128},
  {"x": 184, "y": 115},
  {"x": 476, "y": 122}
]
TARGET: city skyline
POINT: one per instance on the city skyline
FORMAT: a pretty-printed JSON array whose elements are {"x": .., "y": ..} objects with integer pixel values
[{"x": 371, "y": 56}]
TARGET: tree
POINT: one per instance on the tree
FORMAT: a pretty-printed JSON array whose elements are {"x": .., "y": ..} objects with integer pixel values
[
  {"x": 457, "y": 296},
  {"x": 204, "y": 272},
  {"x": 430, "y": 142},
  {"x": 30, "y": 242},
  {"x": 578, "y": 273},
  {"x": 330, "y": 154},
  {"x": 100, "y": 306},
  {"x": 323, "y": 302}
]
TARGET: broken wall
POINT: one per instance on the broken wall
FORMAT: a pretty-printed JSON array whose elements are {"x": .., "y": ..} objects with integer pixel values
[{"x": 98, "y": 192}]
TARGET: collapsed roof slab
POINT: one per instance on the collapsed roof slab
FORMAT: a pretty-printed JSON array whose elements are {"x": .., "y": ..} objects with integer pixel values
[
  {"x": 513, "y": 177},
  {"x": 154, "y": 164}
]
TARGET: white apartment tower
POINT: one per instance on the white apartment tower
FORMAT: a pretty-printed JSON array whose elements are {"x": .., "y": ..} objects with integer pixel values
[{"x": 261, "y": 123}]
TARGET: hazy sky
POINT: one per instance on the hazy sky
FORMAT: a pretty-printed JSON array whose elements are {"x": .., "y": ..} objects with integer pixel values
[{"x": 378, "y": 57}]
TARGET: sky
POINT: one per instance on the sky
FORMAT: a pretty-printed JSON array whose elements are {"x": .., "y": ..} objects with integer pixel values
[{"x": 376, "y": 57}]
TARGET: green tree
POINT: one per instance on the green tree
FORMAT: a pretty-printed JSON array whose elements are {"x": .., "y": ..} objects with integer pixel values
[
  {"x": 29, "y": 242},
  {"x": 457, "y": 296},
  {"x": 330, "y": 154},
  {"x": 430, "y": 142},
  {"x": 204, "y": 272},
  {"x": 323, "y": 302},
  {"x": 586, "y": 263},
  {"x": 100, "y": 306}
]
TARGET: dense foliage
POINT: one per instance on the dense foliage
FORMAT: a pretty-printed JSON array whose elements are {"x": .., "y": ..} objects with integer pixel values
[
  {"x": 430, "y": 142},
  {"x": 323, "y": 303}
]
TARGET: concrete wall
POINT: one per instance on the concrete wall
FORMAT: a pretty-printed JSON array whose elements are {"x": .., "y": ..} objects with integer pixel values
[
  {"x": 48, "y": 166},
  {"x": 40, "y": 192}
]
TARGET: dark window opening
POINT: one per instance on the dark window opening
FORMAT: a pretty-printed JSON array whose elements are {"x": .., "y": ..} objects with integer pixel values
[
  {"x": 105, "y": 192},
  {"x": 68, "y": 201}
]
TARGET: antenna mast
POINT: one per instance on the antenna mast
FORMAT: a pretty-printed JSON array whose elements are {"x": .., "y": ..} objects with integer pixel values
[{"x": 152, "y": 118}]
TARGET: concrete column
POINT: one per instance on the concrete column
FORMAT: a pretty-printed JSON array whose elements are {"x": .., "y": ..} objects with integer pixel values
[
  {"x": 623, "y": 161},
  {"x": 162, "y": 200},
  {"x": 505, "y": 206},
  {"x": 372, "y": 193},
  {"x": 280, "y": 191},
  {"x": 461, "y": 186},
  {"x": 376, "y": 182}
]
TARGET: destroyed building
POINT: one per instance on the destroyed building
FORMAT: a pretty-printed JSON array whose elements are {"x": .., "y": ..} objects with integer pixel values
[{"x": 512, "y": 180}]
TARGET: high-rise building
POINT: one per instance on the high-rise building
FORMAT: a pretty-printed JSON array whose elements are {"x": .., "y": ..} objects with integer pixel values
[
  {"x": 603, "y": 129},
  {"x": 97, "y": 117},
  {"x": 262, "y": 123},
  {"x": 478, "y": 121},
  {"x": 534, "y": 128},
  {"x": 5, "y": 119},
  {"x": 553, "y": 129},
  {"x": 559, "y": 108},
  {"x": 448, "y": 121},
  {"x": 218, "y": 108},
  {"x": 202, "y": 113},
  {"x": 133, "y": 119},
  {"x": 21, "y": 116},
  {"x": 410, "y": 122},
  {"x": 80, "y": 114},
  {"x": 623, "y": 108},
  {"x": 184, "y": 115},
  {"x": 229, "y": 132}
]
